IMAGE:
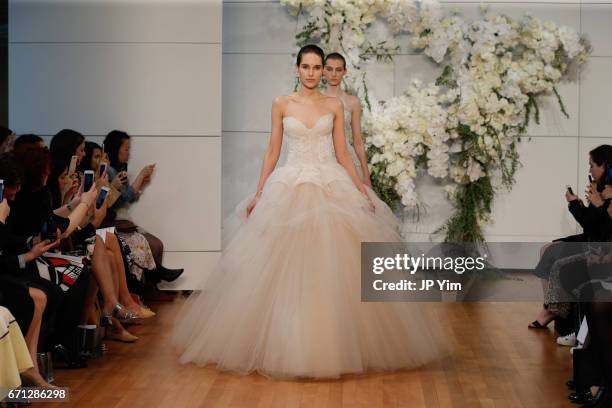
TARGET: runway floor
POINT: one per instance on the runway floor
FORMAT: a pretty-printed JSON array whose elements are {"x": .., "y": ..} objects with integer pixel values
[{"x": 498, "y": 362}]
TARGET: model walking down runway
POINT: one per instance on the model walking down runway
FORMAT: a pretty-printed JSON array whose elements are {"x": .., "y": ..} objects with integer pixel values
[{"x": 285, "y": 298}]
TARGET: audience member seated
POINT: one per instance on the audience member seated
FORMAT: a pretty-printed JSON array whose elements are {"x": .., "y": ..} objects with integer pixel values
[
  {"x": 117, "y": 147},
  {"x": 13, "y": 352},
  {"x": 22, "y": 293},
  {"x": 33, "y": 208},
  {"x": 593, "y": 220},
  {"x": 135, "y": 247}
]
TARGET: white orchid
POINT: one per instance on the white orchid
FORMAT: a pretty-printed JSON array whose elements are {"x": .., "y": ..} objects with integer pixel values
[{"x": 469, "y": 128}]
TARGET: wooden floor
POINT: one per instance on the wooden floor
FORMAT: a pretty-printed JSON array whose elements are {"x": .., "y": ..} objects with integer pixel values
[{"x": 497, "y": 363}]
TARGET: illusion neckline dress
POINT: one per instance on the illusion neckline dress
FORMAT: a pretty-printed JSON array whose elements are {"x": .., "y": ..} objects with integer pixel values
[{"x": 285, "y": 298}]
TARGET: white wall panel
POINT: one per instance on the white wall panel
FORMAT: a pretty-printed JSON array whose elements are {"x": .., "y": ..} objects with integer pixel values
[
  {"x": 595, "y": 106},
  {"x": 182, "y": 204},
  {"x": 250, "y": 84},
  {"x": 258, "y": 28},
  {"x": 145, "y": 89},
  {"x": 198, "y": 266},
  {"x": 597, "y": 25},
  {"x": 81, "y": 21},
  {"x": 536, "y": 205}
]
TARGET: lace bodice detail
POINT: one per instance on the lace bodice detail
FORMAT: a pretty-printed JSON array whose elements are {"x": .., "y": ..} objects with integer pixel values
[{"x": 309, "y": 146}]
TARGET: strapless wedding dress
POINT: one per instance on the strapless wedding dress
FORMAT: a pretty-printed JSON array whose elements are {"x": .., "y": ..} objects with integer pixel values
[{"x": 285, "y": 298}]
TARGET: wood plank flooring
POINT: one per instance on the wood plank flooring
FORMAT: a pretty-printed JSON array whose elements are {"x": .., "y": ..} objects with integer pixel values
[{"x": 497, "y": 362}]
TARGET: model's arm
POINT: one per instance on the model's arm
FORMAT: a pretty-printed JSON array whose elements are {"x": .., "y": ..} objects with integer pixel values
[
  {"x": 358, "y": 140},
  {"x": 342, "y": 154},
  {"x": 272, "y": 152},
  {"x": 274, "y": 145}
]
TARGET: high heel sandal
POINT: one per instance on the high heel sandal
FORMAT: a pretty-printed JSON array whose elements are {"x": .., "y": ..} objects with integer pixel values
[
  {"x": 537, "y": 325},
  {"x": 120, "y": 313}
]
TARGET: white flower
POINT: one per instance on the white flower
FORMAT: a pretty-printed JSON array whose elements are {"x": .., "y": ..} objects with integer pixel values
[{"x": 474, "y": 170}]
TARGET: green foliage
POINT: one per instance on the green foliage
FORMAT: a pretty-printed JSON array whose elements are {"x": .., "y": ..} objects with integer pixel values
[
  {"x": 383, "y": 185},
  {"x": 474, "y": 200}
]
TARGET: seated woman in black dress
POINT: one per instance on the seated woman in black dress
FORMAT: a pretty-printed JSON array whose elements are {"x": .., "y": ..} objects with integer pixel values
[
  {"x": 22, "y": 292},
  {"x": 593, "y": 219}
]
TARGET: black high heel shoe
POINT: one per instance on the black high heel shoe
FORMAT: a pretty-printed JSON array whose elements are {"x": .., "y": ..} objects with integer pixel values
[
  {"x": 166, "y": 274},
  {"x": 120, "y": 313},
  {"x": 70, "y": 359}
]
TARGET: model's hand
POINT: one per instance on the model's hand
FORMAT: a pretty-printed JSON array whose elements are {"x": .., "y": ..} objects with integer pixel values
[
  {"x": 370, "y": 204},
  {"x": 252, "y": 204}
]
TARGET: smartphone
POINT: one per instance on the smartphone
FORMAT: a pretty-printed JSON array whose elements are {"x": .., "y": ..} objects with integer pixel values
[
  {"x": 102, "y": 168},
  {"x": 88, "y": 180},
  {"x": 590, "y": 178},
  {"x": 73, "y": 165},
  {"x": 569, "y": 190},
  {"x": 1, "y": 190},
  {"x": 101, "y": 197},
  {"x": 49, "y": 230}
]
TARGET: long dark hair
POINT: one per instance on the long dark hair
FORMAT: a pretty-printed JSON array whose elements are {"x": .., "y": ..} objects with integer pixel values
[
  {"x": 58, "y": 166},
  {"x": 36, "y": 164},
  {"x": 28, "y": 139},
  {"x": 602, "y": 156},
  {"x": 64, "y": 144},
  {"x": 112, "y": 143},
  {"x": 10, "y": 170},
  {"x": 89, "y": 151}
]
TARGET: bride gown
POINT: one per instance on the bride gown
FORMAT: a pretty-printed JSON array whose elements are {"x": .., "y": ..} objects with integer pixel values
[{"x": 284, "y": 300}]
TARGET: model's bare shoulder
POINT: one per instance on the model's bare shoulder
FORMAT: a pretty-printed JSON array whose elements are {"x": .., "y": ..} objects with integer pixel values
[
  {"x": 281, "y": 102},
  {"x": 354, "y": 102},
  {"x": 333, "y": 103}
]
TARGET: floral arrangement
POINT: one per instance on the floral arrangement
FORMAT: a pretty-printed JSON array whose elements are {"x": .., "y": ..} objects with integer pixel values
[{"x": 465, "y": 127}]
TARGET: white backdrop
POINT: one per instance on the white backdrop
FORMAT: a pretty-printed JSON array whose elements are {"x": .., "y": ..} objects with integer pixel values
[
  {"x": 258, "y": 39},
  {"x": 151, "y": 68}
]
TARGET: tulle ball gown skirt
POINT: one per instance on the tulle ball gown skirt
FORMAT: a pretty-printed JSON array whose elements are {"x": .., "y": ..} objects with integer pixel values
[{"x": 284, "y": 299}]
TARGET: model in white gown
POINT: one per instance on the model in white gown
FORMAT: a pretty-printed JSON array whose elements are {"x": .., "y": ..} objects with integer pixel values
[{"x": 285, "y": 298}]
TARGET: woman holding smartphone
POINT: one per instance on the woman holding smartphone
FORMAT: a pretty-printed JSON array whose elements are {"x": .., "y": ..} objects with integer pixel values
[
  {"x": 593, "y": 219},
  {"x": 117, "y": 147},
  {"x": 132, "y": 245}
]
